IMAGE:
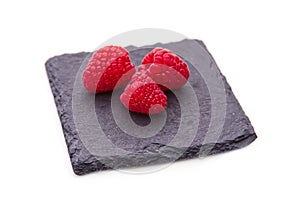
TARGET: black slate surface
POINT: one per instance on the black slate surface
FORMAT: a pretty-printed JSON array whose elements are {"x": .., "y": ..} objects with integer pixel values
[{"x": 221, "y": 124}]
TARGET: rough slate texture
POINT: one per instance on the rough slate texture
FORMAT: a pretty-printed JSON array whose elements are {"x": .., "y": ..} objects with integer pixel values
[{"x": 237, "y": 131}]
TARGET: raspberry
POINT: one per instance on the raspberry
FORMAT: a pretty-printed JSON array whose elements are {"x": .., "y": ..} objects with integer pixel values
[
  {"x": 143, "y": 95},
  {"x": 167, "y": 69},
  {"x": 107, "y": 67}
]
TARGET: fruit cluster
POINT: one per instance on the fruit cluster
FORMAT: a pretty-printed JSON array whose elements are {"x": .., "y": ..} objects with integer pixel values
[{"x": 110, "y": 68}]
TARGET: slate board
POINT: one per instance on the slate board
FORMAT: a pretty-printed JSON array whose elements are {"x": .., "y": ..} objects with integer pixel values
[{"x": 222, "y": 125}]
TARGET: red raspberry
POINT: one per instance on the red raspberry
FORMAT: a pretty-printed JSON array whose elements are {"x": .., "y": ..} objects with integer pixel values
[
  {"x": 167, "y": 69},
  {"x": 107, "y": 67},
  {"x": 143, "y": 95}
]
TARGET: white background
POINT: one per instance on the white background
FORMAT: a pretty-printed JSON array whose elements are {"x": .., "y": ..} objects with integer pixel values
[{"x": 255, "y": 43}]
